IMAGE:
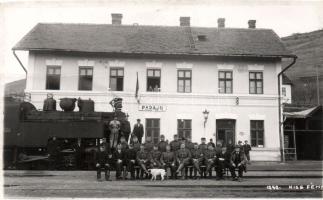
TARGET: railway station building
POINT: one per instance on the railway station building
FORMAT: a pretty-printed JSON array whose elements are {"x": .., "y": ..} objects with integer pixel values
[{"x": 218, "y": 83}]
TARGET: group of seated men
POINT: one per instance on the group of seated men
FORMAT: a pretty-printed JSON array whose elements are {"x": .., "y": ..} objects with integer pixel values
[{"x": 177, "y": 156}]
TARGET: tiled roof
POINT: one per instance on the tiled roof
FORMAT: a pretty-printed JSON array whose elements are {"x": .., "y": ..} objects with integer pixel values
[{"x": 106, "y": 38}]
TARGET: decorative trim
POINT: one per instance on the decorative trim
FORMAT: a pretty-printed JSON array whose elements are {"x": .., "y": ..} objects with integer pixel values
[
  {"x": 154, "y": 64},
  {"x": 257, "y": 117},
  {"x": 184, "y": 116},
  {"x": 226, "y": 116},
  {"x": 256, "y": 67},
  {"x": 54, "y": 62},
  {"x": 184, "y": 65},
  {"x": 225, "y": 67},
  {"x": 116, "y": 63},
  {"x": 86, "y": 63}
]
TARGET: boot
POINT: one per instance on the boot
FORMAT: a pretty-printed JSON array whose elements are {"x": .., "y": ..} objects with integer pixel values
[
  {"x": 125, "y": 174},
  {"x": 132, "y": 174},
  {"x": 107, "y": 175},
  {"x": 195, "y": 173},
  {"x": 182, "y": 174},
  {"x": 98, "y": 175},
  {"x": 210, "y": 174}
]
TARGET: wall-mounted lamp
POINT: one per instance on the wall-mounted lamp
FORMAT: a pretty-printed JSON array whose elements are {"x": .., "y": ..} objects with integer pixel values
[{"x": 206, "y": 116}]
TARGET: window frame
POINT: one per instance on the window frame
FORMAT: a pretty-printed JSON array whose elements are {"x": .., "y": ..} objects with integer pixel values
[
  {"x": 225, "y": 79},
  {"x": 79, "y": 79},
  {"x": 184, "y": 79},
  {"x": 153, "y": 77},
  {"x": 257, "y": 131},
  {"x": 255, "y": 81},
  {"x": 47, "y": 75},
  {"x": 117, "y": 76},
  {"x": 153, "y": 139},
  {"x": 184, "y": 129}
]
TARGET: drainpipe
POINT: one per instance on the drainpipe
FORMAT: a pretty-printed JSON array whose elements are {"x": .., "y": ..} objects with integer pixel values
[
  {"x": 14, "y": 53},
  {"x": 282, "y": 153}
]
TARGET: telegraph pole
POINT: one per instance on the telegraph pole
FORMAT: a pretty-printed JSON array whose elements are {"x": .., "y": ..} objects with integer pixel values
[{"x": 317, "y": 85}]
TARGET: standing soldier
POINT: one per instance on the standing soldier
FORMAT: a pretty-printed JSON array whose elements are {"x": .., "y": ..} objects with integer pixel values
[
  {"x": 53, "y": 149},
  {"x": 188, "y": 144},
  {"x": 149, "y": 145},
  {"x": 125, "y": 128},
  {"x": 203, "y": 145},
  {"x": 247, "y": 149},
  {"x": 183, "y": 157},
  {"x": 155, "y": 155},
  {"x": 211, "y": 143},
  {"x": 123, "y": 143},
  {"x": 197, "y": 159},
  {"x": 238, "y": 160},
  {"x": 143, "y": 159},
  {"x": 210, "y": 159},
  {"x": 119, "y": 156},
  {"x": 135, "y": 143},
  {"x": 131, "y": 155},
  {"x": 138, "y": 130},
  {"x": 175, "y": 144},
  {"x": 162, "y": 144},
  {"x": 104, "y": 161},
  {"x": 114, "y": 127},
  {"x": 168, "y": 160}
]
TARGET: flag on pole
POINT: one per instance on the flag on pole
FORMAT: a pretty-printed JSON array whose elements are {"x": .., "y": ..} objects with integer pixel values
[{"x": 137, "y": 89}]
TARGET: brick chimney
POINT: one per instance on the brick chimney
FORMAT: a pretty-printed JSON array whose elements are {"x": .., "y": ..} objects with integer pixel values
[
  {"x": 116, "y": 18},
  {"x": 184, "y": 21},
  {"x": 252, "y": 23},
  {"x": 221, "y": 22}
]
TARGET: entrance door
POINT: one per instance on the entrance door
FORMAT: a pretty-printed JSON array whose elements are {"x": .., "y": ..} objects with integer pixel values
[
  {"x": 225, "y": 131},
  {"x": 153, "y": 129}
]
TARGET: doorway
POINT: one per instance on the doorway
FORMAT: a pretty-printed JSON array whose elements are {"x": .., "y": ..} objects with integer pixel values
[{"x": 225, "y": 131}]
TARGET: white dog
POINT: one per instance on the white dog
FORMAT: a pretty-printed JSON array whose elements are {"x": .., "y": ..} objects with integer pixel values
[{"x": 155, "y": 172}]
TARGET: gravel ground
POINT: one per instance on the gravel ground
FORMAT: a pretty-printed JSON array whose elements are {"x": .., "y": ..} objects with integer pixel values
[{"x": 84, "y": 184}]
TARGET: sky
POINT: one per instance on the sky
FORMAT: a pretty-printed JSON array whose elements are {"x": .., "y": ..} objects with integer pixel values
[{"x": 18, "y": 17}]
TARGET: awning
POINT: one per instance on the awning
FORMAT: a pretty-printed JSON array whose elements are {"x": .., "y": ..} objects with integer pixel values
[{"x": 301, "y": 114}]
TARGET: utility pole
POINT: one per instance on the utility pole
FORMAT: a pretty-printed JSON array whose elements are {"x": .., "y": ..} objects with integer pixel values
[{"x": 317, "y": 85}]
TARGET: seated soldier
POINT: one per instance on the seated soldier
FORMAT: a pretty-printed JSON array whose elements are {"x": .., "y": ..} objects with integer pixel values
[
  {"x": 210, "y": 158},
  {"x": 203, "y": 145},
  {"x": 238, "y": 161},
  {"x": 135, "y": 143},
  {"x": 155, "y": 157},
  {"x": 104, "y": 160},
  {"x": 183, "y": 157},
  {"x": 143, "y": 160},
  {"x": 197, "y": 159},
  {"x": 124, "y": 144},
  {"x": 162, "y": 144},
  {"x": 168, "y": 160},
  {"x": 131, "y": 155},
  {"x": 149, "y": 145},
  {"x": 119, "y": 156}
]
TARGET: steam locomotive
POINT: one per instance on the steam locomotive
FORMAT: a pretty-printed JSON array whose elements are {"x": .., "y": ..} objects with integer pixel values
[{"x": 28, "y": 131}]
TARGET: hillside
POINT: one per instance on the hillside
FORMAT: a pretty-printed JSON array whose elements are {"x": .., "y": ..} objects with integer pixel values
[{"x": 309, "y": 49}]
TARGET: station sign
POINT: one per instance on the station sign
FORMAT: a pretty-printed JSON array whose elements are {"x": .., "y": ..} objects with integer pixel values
[{"x": 152, "y": 108}]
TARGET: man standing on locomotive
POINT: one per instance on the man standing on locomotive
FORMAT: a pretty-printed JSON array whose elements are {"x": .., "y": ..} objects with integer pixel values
[{"x": 114, "y": 127}]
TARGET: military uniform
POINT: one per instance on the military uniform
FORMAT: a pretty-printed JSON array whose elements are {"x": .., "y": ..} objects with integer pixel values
[
  {"x": 149, "y": 146},
  {"x": 247, "y": 149},
  {"x": 143, "y": 159},
  {"x": 136, "y": 146},
  {"x": 162, "y": 146},
  {"x": 197, "y": 160},
  {"x": 119, "y": 156},
  {"x": 104, "y": 160},
  {"x": 174, "y": 145},
  {"x": 210, "y": 160},
  {"x": 183, "y": 157},
  {"x": 124, "y": 146},
  {"x": 131, "y": 156},
  {"x": 155, "y": 158},
  {"x": 168, "y": 160},
  {"x": 203, "y": 147},
  {"x": 189, "y": 145},
  {"x": 221, "y": 163}
]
